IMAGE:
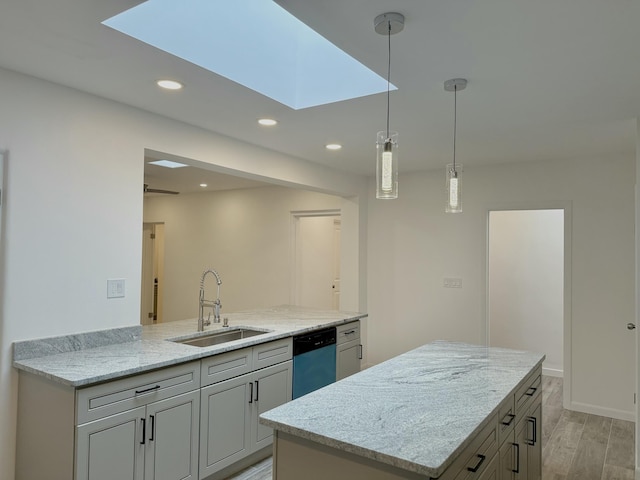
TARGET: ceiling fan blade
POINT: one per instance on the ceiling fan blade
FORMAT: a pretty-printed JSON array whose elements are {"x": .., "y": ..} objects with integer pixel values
[{"x": 158, "y": 190}]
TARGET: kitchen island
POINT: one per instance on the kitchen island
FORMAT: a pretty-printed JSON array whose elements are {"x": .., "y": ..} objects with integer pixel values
[{"x": 444, "y": 410}]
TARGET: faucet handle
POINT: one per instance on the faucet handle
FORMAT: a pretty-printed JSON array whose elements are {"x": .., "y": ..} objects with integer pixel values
[{"x": 225, "y": 322}]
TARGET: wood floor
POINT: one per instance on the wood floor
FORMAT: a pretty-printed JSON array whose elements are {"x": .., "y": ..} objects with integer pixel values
[{"x": 575, "y": 446}]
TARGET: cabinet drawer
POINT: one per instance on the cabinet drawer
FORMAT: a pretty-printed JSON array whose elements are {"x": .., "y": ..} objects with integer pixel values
[
  {"x": 348, "y": 332},
  {"x": 506, "y": 419},
  {"x": 472, "y": 462},
  {"x": 110, "y": 398},
  {"x": 226, "y": 365},
  {"x": 267, "y": 354},
  {"x": 528, "y": 389}
]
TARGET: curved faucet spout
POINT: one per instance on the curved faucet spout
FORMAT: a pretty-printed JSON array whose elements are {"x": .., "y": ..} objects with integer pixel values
[{"x": 215, "y": 304}]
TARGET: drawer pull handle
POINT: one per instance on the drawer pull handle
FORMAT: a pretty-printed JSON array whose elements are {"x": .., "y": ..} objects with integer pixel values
[
  {"x": 517, "y": 450},
  {"x": 350, "y": 332},
  {"x": 475, "y": 469},
  {"x": 360, "y": 355},
  {"x": 251, "y": 392},
  {"x": 144, "y": 430},
  {"x": 533, "y": 422},
  {"x": 147, "y": 390},
  {"x": 508, "y": 422},
  {"x": 257, "y": 392},
  {"x": 153, "y": 427},
  {"x": 531, "y": 391}
]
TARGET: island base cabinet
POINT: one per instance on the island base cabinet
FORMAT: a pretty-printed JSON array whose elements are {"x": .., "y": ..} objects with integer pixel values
[{"x": 156, "y": 442}]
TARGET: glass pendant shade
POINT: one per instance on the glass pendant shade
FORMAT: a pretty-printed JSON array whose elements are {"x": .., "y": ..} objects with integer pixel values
[
  {"x": 453, "y": 193},
  {"x": 387, "y": 165}
]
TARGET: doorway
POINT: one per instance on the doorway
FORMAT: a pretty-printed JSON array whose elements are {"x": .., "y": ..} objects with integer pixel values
[
  {"x": 316, "y": 259},
  {"x": 526, "y": 281},
  {"x": 151, "y": 292}
]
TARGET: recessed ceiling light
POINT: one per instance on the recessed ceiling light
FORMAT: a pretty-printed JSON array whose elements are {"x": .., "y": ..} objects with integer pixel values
[
  {"x": 203, "y": 185},
  {"x": 167, "y": 164},
  {"x": 333, "y": 146},
  {"x": 169, "y": 84},
  {"x": 267, "y": 122}
]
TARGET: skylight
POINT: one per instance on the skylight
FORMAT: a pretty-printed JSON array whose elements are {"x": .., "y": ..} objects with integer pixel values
[{"x": 255, "y": 43}]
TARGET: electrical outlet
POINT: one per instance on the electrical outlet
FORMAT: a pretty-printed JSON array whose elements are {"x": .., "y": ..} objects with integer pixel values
[
  {"x": 452, "y": 283},
  {"x": 115, "y": 288}
]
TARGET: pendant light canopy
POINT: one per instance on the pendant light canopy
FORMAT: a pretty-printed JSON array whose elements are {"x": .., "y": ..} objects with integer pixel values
[
  {"x": 387, "y": 141},
  {"x": 453, "y": 191}
]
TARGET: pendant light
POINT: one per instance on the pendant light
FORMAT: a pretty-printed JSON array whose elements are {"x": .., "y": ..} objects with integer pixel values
[
  {"x": 453, "y": 193},
  {"x": 387, "y": 141}
]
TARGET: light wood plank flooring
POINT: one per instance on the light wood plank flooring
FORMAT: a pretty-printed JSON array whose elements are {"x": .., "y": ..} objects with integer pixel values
[{"x": 575, "y": 446}]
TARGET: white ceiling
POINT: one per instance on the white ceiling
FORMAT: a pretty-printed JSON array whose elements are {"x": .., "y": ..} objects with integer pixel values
[{"x": 548, "y": 79}]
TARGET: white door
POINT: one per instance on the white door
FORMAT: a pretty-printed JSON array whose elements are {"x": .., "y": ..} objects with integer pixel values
[
  {"x": 317, "y": 261},
  {"x": 146, "y": 292}
]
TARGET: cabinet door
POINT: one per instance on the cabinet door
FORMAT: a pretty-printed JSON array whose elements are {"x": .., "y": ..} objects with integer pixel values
[
  {"x": 112, "y": 447},
  {"x": 224, "y": 424},
  {"x": 508, "y": 458},
  {"x": 348, "y": 359},
  {"x": 172, "y": 438},
  {"x": 522, "y": 465},
  {"x": 534, "y": 444},
  {"x": 272, "y": 388}
]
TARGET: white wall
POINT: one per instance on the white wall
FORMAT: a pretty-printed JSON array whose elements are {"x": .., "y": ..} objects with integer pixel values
[
  {"x": 526, "y": 283},
  {"x": 413, "y": 245},
  {"x": 244, "y": 234},
  {"x": 74, "y": 212}
]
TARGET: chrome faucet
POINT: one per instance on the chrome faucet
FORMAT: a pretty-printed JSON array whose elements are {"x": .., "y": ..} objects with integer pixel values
[{"x": 215, "y": 305}]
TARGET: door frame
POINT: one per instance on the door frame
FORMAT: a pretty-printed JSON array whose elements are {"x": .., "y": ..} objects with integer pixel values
[
  {"x": 566, "y": 206},
  {"x": 293, "y": 251}
]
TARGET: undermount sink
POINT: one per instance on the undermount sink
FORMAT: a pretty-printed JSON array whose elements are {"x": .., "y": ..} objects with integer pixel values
[{"x": 219, "y": 337}]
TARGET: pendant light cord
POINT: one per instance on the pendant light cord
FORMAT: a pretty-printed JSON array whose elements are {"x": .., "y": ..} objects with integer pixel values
[
  {"x": 455, "y": 124},
  {"x": 388, "y": 79}
]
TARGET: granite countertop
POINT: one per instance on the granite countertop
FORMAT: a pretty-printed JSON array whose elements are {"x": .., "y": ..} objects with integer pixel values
[
  {"x": 417, "y": 411},
  {"x": 94, "y": 357}
]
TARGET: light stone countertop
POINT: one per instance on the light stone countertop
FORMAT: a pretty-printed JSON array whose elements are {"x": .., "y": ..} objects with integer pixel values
[
  {"x": 94, "y": 357},
  {"x": 417, "y": 411}
]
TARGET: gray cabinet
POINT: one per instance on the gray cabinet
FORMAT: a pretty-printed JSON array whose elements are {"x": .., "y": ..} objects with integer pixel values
[
  {"x": 111, "y": 448},
  {"x": 243, "y": 384},
  {"x": 155, "y": 440},
  {"x": 521, "y": 448},
  {"x": 348, "y": 349}
]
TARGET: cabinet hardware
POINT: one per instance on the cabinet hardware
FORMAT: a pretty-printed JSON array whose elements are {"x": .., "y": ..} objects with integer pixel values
[
  {"x": 531, "y": 391},
  {"x": 360, "y": 355},
  {"x": 475, "y": 469},
  {"x": 350, "y": 332},
  {"x": 517, "y": 451},
  {"x": 153, "y": 427},
  {"x": 532, "y": 421},
  {"x": 251, "y": 392},
  {"x": 147, "y": 390},
  {"x": 144, "y": 430},
  {"x": 257, "y": 391},
  {"x": 508, "y": 422}
]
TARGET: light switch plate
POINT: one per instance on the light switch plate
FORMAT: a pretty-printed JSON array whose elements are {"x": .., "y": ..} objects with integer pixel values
[{"x": 115, "y": 288}]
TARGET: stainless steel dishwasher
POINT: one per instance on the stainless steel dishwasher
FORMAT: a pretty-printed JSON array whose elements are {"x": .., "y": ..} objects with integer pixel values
[{"x": 314, "y": 361}]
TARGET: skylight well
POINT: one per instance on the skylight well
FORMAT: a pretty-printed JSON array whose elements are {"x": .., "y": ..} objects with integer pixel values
[{"x": 255, "y": 43}]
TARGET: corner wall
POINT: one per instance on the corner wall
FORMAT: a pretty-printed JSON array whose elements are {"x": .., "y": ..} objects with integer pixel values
[{"x": 413, "y": 245}]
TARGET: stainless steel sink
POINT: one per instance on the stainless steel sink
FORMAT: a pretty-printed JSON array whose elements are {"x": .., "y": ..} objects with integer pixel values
[{"x": 219, "y": 337}]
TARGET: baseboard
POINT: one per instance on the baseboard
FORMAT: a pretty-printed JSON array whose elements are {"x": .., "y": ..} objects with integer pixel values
[
  {"x": 603, "y": 412},
  {"x": 552, "y": 372}
]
